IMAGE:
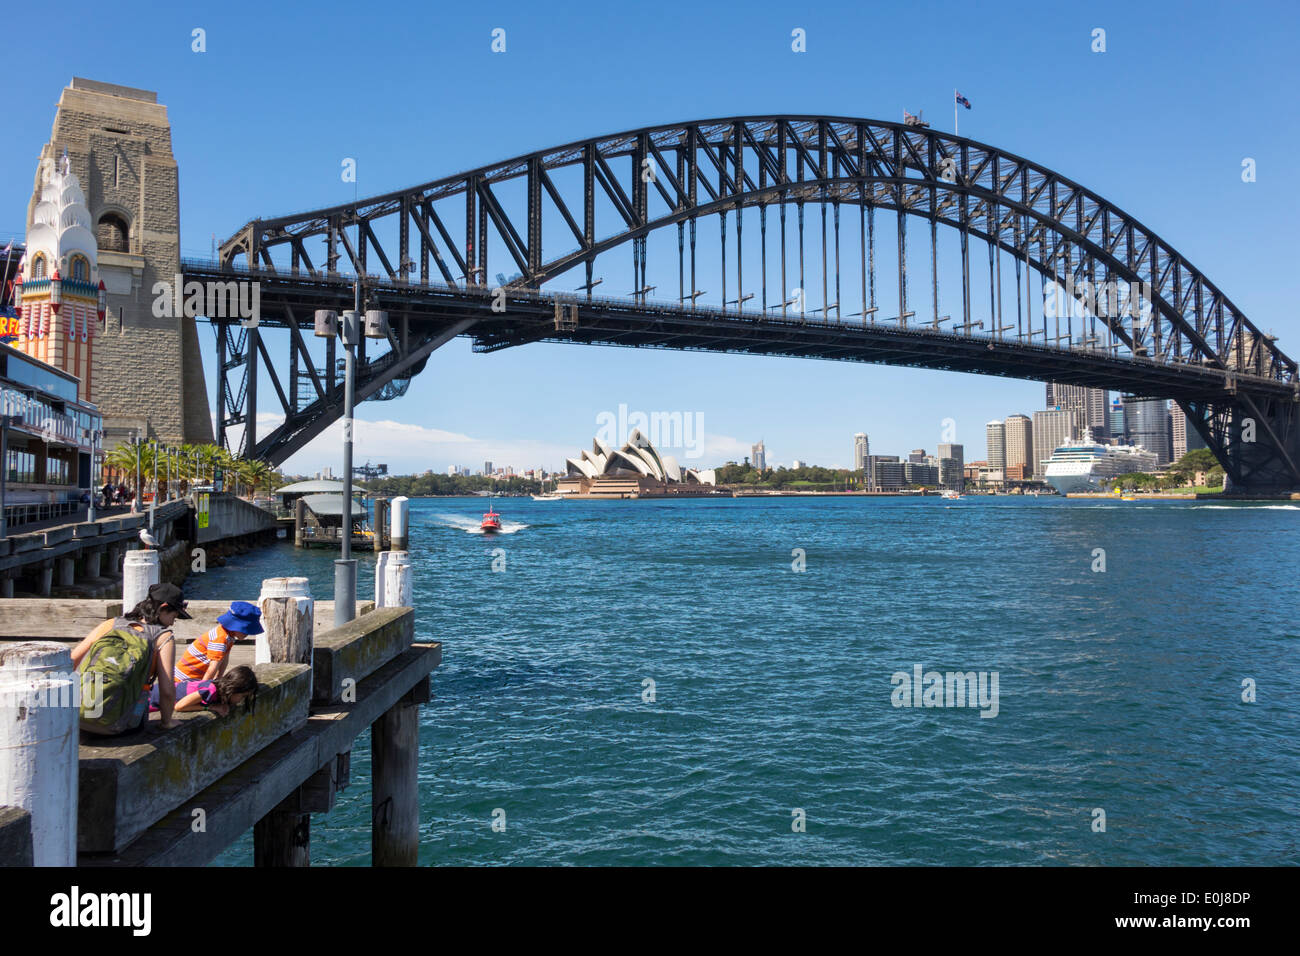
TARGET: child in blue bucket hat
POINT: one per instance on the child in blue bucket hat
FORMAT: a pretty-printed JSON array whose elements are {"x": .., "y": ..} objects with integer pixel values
[{"x": 207, "y": 657}]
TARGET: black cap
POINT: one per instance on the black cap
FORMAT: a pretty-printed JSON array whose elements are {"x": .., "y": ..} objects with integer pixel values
[{"x": 170, "y": 595}]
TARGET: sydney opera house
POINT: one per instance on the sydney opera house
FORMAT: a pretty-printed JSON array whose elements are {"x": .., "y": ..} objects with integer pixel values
[{"x": 636, "y": 470}]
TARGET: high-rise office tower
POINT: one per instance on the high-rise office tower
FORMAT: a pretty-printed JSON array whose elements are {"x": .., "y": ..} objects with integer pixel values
[
  {"x": 861, "y": 451},
  {"x": 997, "y": 444},
  {"x": 1052, "y": 429},
  {"x": 1185, "y": 436},
  {"x": 1148, "y": 425},
  {"x": 1090, "y": 401},
  {"x": 951, "y": 466},
  {"x": 758, "y": 456},
  {"x": 917, "y": 456},
  {"x": 1118, "y": 429},
  {"x": 1019, "y": 432}
]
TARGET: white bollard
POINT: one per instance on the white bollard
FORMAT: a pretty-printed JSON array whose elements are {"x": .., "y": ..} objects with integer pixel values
[
  {"x": 39, "y": 720},
  {"x": 381, "y": 562},
  {"x": 398, "y": 587},
  {"x": 399, "y": 522},
  {"x": 140, "y": 571}
]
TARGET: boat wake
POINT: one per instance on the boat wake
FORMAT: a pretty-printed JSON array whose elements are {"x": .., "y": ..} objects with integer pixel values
[
  {"x": 1252, "y": 507},
  {"x": 471, "y": 525}
]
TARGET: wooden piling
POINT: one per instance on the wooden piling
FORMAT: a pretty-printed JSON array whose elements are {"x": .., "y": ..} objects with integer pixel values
[
  {"x": 395, "y": 806},
  {"x": 287, "y": 620},
  {"x": 380, "y": 523},
  {"x": 283, "y": 836},
  {"x": 299, "y": 522}
]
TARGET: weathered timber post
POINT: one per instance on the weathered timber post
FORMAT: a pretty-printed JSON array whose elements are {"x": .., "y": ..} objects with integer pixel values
[
  {"x": 400, "y": 523},
  {"x": 140, "y": 570},
  {"x": 395, "y": 806},
  {"x": 283, "y": 836},
  {"x": 299, "y": 522},
  {"x": 38, "y": 745},
  {"x": 288, "y": 622},
  {"x": 397, "y": 580},
  {"x": 380, "y": 522},
  {"x": 381, "y": 562}
]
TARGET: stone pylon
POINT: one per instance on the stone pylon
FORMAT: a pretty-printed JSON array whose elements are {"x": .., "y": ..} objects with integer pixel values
[{"x": 147, "y": 376}]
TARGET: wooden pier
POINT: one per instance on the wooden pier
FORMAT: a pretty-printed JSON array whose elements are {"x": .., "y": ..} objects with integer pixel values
[{"x": 182, "y": 796}]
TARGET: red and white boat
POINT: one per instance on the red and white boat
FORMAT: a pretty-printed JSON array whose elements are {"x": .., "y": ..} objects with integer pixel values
[{"x": 491, "y": 522}]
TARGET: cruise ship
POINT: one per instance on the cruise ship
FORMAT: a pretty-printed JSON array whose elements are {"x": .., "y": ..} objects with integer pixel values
[{"x": 1083, "y": 466}]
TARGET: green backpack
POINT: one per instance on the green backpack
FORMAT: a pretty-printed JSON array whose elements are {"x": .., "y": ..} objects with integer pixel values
[{"x": 115, "y": 679}]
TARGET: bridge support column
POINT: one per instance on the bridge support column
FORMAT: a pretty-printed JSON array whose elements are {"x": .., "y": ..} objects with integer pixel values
[
  {"x": 67, "y": 572},
  {"x": 93, "y": 558}
]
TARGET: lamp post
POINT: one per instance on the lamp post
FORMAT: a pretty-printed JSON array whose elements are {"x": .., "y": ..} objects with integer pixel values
[
  {"x": 154, "y": 503},
  {"x": 349, "y": 328},
  {"x": 139, "y": 490}
]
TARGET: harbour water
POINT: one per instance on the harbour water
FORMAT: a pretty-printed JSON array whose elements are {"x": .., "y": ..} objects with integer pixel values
[{"x": 1119, "y": 690}]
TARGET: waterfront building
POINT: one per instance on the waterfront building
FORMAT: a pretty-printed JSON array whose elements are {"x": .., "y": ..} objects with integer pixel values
[
  {"x": 997, "y": 444},
  {"x": 1185, "y": 437},
  {"x": 887, "y": 473},
  {"x": 758, "y": 456},
  {"x": 1149, "y": 426},
  {"x": 1052, "y": 429},
  {"x": 950, "y": 474},
  {"x": 1091, "y": 402},
  {"x": 955, "y": 455},
  {"x": 861, "y": 452},
  {"x": 918, "y": 473},
  {"x": 637, "y": 470},
  {"x": 54, "y": 439},
  {"x": 1019, "y": 432}
]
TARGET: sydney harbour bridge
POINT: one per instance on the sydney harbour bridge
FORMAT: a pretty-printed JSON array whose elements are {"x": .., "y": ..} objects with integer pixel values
[{"x": 765, "y": 235}]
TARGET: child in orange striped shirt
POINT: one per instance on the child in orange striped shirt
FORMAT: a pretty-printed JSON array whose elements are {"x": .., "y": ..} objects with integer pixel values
[{"x": 207, "y": 657}]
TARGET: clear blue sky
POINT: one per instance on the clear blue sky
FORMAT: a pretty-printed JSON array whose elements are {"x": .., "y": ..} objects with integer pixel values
[{"x": 1159, "y": 124}]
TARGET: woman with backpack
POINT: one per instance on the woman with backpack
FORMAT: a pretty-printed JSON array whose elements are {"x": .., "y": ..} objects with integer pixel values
[{"x": 123, "y": 657}]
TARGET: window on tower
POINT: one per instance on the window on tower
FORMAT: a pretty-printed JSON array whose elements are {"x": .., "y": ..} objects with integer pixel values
[
  {"x": 80, "y": 269},
  {"x": 38, "y": 267},
  {"x": 113, "y": 234}
]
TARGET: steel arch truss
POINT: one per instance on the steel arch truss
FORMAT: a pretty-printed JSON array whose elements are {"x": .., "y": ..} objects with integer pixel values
[{"x": 437, "y": 235}]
